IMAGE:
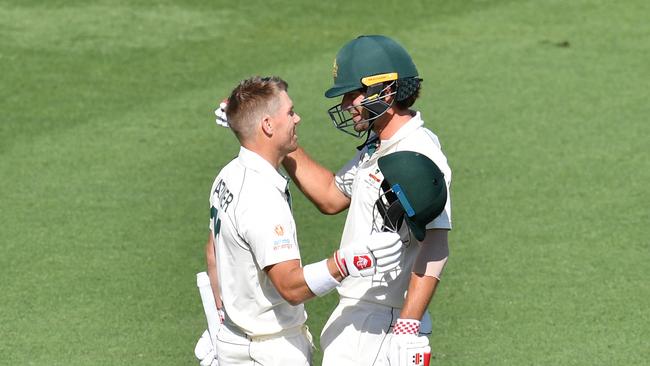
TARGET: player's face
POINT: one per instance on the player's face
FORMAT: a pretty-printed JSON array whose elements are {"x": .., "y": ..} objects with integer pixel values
[
  {"x": 286, "y": 121},
  {"x": 352, "y": 103}
]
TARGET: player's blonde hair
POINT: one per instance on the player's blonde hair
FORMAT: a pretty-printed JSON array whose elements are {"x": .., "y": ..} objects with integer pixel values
[{"x": 250, "y": 101}]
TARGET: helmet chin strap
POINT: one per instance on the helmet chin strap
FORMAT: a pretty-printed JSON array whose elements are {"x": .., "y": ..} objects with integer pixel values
[{"x": 368, "y": 141}]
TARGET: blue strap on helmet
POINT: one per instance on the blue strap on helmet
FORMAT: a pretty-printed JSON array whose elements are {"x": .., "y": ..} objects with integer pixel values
[{"x": 403, "y": 200}]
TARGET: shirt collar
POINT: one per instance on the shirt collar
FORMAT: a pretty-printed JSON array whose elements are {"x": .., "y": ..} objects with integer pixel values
[
  {"x": 252, "y": 160},
  {"x": 413, "y": 124}
]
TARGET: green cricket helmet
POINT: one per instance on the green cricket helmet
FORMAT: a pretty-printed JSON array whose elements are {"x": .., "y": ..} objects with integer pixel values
[
  {"x": 413, "y": 190},
  {"x": 377, "y": 65}
]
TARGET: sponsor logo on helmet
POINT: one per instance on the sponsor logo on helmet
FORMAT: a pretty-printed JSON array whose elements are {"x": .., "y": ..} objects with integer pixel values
[{"x": 374, "y": 79}]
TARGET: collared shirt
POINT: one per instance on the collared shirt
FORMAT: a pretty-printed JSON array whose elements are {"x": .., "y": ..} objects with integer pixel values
[
  {"x": 254, "y": 228},
  {"x": 360, "y": 179}
]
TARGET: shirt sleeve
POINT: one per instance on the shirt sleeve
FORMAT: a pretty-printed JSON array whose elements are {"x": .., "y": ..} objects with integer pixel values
[
  {"x": 443, "y": 221},
  {"x": 270, "y": 231},
  {"x": 345, "y": 176},
  {"x": 212, "y": 202}
]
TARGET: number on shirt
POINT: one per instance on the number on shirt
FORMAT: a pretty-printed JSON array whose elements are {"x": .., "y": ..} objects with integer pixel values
[{"x": 216, "y": 221}]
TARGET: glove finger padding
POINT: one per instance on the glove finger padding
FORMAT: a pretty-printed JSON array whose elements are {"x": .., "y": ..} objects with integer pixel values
[
  {"x": 387, "y": 252},
  {"x": 220, "y": 112},
  {"x": 210, "y": 360},
  {"x": 384, "y": 240},
  {"x": 387, "y": 267},
  {"x": 388, "y": 261},
  {"x": 387, "y": 249},
  {"x": 204, "y": 350},
  {"x": 409, "y": 350}
]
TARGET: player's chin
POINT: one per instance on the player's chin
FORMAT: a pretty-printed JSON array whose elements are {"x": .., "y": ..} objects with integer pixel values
[
  {"x": 293, "y": 146},
  {"x": 361, "y": 126}
]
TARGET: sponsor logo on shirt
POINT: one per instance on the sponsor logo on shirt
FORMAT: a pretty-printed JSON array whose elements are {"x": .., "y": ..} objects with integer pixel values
[
  {"x": 283, "y": 243},
  {"x": 279, "y": 230},
  {"x": 374, "y": 178}
]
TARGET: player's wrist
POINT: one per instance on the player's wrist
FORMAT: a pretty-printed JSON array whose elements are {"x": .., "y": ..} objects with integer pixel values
[
  {"x": 318, "y": 278},
  {"x": 406, "y": 326}
]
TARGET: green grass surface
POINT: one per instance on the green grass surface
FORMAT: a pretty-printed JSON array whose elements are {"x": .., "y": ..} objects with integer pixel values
[{"x": 108, "y": 149}]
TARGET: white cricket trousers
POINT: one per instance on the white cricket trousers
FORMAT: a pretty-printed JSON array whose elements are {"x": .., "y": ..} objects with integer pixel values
[
  {"x": 356, "y": 334},
  {"x": 290, "y": 347}
]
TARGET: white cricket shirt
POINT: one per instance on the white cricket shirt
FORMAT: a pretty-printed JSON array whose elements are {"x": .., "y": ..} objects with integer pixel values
[
  {"x": 361, "y": 180},
  {"x": 254, "y": 226}
]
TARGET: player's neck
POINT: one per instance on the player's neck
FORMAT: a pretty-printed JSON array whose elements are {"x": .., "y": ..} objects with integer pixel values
[
  {"x": 267, "y": 152},
  {"x": 388, "y": 124}
]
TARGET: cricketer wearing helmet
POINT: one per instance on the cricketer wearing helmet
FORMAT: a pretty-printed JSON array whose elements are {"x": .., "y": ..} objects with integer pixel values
[{"x": 398, "y": 181}]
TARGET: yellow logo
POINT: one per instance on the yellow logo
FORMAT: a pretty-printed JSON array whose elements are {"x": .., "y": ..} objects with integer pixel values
[
  {"x": 370, "y": 80},
  {"x": 279, "y": 230},
  {"x": 335, "y": 69}
]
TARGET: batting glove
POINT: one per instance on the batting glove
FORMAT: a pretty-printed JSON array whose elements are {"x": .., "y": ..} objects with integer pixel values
[
  {"x": 205, "y": 352},
  {"x": 206, "y": 348},
  {"x": 378, "y": 253},
  {"x": 406, "y": 347},
  {"x": 222, "y": 119}
]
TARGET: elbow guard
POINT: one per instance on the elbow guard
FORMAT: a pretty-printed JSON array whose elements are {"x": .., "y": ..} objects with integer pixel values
[{"x": 432, "y": 259}]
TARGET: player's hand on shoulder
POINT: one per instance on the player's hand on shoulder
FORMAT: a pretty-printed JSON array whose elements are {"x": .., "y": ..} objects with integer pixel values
[{"x": 220, "y": 112}]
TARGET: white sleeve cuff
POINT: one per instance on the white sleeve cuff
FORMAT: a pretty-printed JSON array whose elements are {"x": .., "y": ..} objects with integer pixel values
[{"x": 318, "y": 278}]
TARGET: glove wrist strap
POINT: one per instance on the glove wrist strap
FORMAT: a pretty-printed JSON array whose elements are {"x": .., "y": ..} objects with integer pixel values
[
  {"x": 340, "y": 263},
  {"x": 406, "y": 326}
]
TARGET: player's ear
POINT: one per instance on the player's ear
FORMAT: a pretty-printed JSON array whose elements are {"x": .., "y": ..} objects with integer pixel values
[{"x": 267, "y": 127}]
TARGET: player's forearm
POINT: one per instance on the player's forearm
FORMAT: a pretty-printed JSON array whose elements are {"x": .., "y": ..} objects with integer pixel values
[
  {"x": 315, "y": 181},
  {"x": 211, "y": 264},
  {"x": 420, "y": 292},
  {"x": 427, "y": 269},
  {"x": 293, "y": 282},
  {"x": 293, "y": 287}
]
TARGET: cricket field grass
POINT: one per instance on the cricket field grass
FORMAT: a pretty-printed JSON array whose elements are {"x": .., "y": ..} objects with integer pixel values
[{"x": 108, "y": 148}]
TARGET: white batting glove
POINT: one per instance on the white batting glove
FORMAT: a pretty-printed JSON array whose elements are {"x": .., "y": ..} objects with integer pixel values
[
  {"x": 378, "y": 253},
  {"x": 205, "y": 352},
  {"x": 222, "y": 119},
  {"x": 206, "y": 348},
  {"x": 406, "y": 347}
]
